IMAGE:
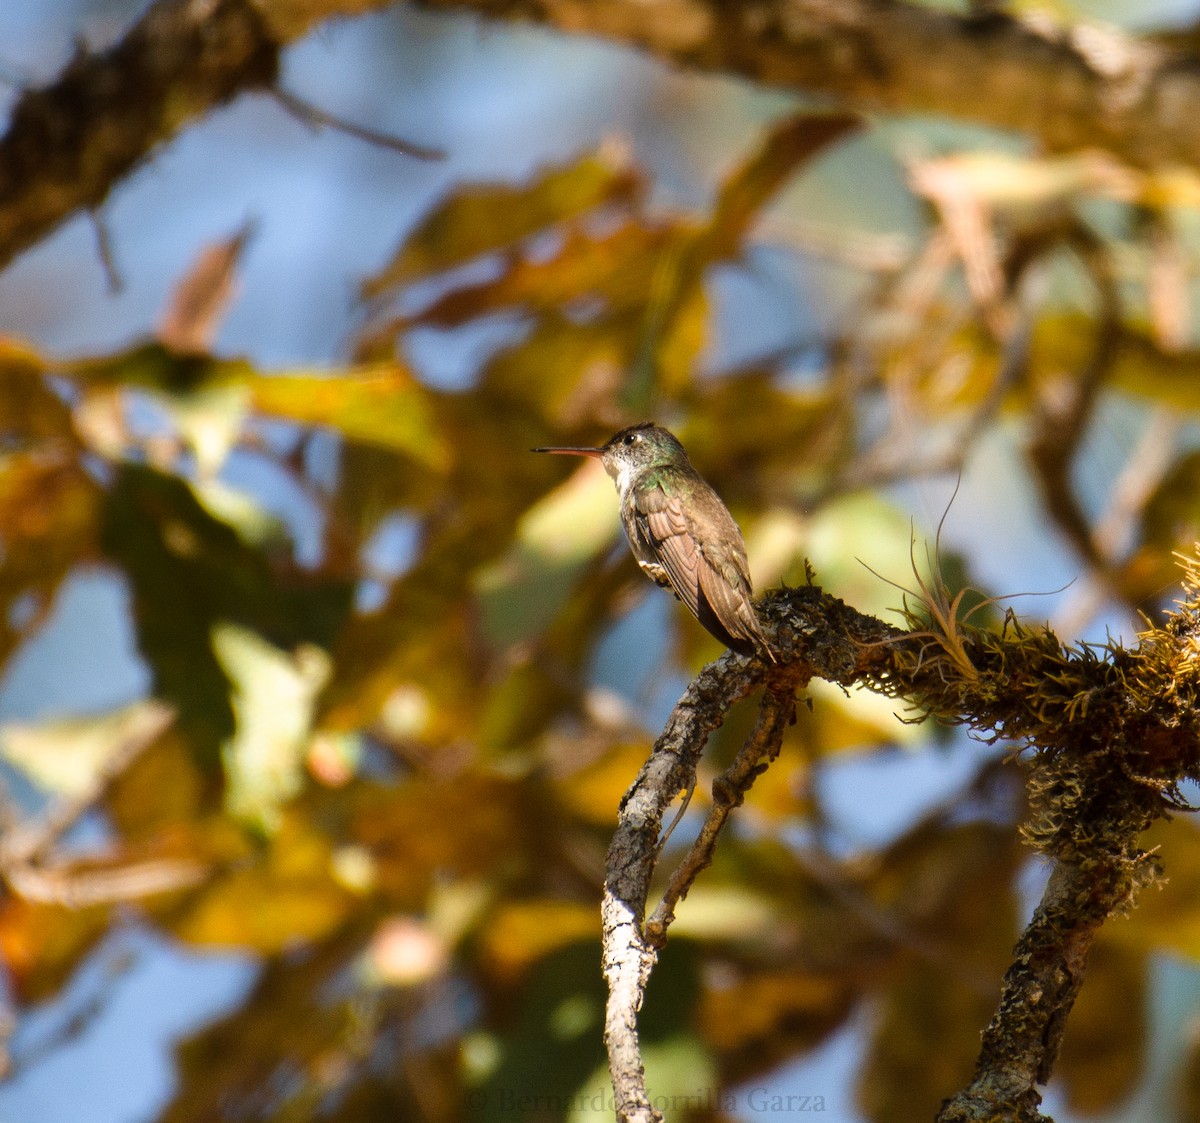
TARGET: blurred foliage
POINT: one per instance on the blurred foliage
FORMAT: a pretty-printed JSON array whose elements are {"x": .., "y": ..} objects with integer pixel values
[{"x": 398, "y": 780}]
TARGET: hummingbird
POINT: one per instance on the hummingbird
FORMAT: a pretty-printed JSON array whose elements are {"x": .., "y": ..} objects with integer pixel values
[{"x": 681, "y": 534}]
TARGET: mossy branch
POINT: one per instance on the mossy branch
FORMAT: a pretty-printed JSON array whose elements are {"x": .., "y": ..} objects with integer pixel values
[{"x": 1113, "y": 731}]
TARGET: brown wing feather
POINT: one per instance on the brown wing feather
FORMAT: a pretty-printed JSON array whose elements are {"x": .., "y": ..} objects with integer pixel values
[
  {"x": 714, "y": 583},
  {"x": 662, "y": 520}
]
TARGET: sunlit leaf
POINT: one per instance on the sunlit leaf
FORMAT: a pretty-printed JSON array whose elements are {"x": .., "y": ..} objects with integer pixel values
[
  {"x": 210, "y": 420},
  {"x": 68, "y": 756},
  {"x": 480, "y": 218},
  {"x": 725, "y": 912},
  {"x": 616, "y": 268},
  {"x": 522, "y": 592},
  {"x": 381, "y": 404},
  {"x": 679, "y": 1073},
  {"x": 273, "y": 696}
]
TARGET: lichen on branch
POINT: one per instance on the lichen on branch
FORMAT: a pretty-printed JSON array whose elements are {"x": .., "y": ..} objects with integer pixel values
[{"x": 1111, "y": 732}]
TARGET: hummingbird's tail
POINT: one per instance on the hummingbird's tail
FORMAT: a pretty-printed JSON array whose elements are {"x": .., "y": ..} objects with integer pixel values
[{"x": 727, "y": 612}]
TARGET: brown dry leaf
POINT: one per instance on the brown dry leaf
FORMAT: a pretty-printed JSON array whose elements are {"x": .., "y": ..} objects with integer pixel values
[
  {"x": 29, "y": 408},
  {"x": 617, "y": 268},
  {"x": 42, "y": 943},
  {"x": 468, "y": 826},
  {"x": 255, "y": 911},
  {"x": 202, "y": 297},
  {"x": 49, "y": 522}
]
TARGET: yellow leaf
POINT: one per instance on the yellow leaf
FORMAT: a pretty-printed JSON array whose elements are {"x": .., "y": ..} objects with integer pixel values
[
  {"x": 594, "y": 792},
  {"x": 483, "y": 217},
  {"x": 523, "y": 932},
  {"x": 380, "y": 404},
  {"x": 250, "y": 909}
]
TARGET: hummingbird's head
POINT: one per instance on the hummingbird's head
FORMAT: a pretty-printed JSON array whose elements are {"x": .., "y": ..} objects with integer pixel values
[
  {"x": 627, "y": 454},
  {"x": 639, "y": 447}
]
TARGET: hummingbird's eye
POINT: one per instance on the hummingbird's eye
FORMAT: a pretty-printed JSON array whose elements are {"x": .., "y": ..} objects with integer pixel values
[{"x": 631, "y": 437}]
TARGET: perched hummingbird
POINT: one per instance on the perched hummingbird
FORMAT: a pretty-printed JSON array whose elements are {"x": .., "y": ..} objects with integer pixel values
[{"x": 681, "y": 534}]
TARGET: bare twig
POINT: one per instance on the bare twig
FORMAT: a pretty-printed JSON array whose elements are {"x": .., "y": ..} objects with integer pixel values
[
  {"x": 729, "y": 789},
  {"x": 68, "y": 143},
  {"x": 78, "y": 888},
  {"x": 628, "y": 957},
  {"x": 1074, "y": 87},
  {"x": 317, "y": 117},
  {"x": 104, "y": 250}
]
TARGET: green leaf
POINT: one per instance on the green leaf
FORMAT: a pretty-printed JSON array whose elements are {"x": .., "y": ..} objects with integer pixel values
[{"x": 189, "y": 573}]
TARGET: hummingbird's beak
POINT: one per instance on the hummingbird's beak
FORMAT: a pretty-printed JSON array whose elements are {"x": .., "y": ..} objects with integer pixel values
[{"x": 596, "y": 452}]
